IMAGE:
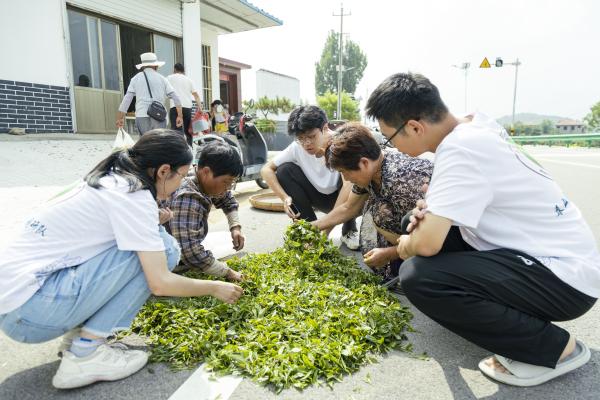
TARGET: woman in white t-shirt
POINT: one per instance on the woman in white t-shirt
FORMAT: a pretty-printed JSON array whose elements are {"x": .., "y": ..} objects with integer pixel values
[{"x": 86, "y": 263}]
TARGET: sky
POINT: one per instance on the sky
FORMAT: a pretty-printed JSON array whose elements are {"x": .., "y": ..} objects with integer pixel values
[{"x": 557, "y": 42}]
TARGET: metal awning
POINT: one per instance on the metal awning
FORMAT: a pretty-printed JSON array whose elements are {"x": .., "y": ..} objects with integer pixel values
[{"x": 230, "y": 16}]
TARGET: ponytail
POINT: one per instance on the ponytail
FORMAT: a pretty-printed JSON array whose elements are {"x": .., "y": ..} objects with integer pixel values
[{"x": 153, "y": 149}]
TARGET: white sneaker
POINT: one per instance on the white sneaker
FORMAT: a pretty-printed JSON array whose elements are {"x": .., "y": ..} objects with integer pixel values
[
  {"x": 350, "y": 239},
  {"x": 106, "y": 363},
  {"x": 67, "y": 340}
]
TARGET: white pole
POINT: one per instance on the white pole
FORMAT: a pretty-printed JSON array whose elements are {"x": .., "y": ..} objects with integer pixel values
[
  {"x": 464, "y": 66},
  {"x": 340, "y": 70},
  {"x": 466, "y": 73},
  {"x": 516, "y": 64}
]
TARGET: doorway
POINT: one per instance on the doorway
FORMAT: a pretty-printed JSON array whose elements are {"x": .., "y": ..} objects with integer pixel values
[
  {"x": 228, "y": 86},
  {"x": 134, "y": 41}
]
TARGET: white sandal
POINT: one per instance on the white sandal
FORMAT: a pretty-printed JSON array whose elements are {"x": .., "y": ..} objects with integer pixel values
[{"x": 531, "y": 375}]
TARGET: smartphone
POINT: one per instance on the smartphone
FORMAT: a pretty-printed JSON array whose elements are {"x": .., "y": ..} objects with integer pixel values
[{"x": 294, "y": 209}]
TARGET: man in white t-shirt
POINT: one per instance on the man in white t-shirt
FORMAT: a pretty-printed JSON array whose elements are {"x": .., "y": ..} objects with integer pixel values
[
  {"x": 148, "y": 86},
  {"x": 299, "y": 177},
  {"x": 185, "y": 89},
  {"x": 497, "y": 251}
]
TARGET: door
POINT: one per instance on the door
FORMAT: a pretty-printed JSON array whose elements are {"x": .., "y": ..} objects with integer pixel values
[{"x": 96, "y": 72}]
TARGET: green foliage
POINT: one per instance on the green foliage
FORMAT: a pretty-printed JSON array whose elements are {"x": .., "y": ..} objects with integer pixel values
[
  {"x": 354, "y": 62},
  {"x": 592, "y": 120},
  {"x": 265, "y": 125},
  {"x": 546, "y": 127},
  {"x": 350, "y": 107},
  {"x": 266, "y": 106},
  {"x": 308, "y": 315}
]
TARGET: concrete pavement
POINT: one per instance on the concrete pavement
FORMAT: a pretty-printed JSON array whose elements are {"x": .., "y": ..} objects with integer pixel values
[{"x": 35, "y": 170}]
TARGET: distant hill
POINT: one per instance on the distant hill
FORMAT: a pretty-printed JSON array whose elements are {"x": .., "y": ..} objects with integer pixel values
[{"x": 528, "y": 118}]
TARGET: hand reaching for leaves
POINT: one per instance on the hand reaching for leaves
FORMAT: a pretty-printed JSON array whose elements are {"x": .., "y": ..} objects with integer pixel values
[{"x": 227, "y": 292}]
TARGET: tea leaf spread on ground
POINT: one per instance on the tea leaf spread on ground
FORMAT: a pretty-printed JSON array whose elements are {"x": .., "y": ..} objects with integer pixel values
[{"x": 308, "y": 315}]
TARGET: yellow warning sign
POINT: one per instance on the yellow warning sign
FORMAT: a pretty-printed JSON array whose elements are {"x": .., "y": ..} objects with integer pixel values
[{"x": 485, "y": 63}]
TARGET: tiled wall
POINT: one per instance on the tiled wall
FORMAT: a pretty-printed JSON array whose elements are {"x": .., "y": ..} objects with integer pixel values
[{"x": 37, "y": 108}]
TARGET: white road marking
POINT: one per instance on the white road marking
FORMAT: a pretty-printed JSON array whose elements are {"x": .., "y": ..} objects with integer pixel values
[
  {"x": 200, "y": 386},
  {"x": 591, "y": 154},
  {"x": 568, "y": 163}
]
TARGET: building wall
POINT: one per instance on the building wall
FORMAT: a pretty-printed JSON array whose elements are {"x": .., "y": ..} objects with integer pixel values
[
  {"x": 211, "y": 39},
  {"x": 192, "y": 39},
  {"x": 159, "y": 15},
  {"x": 34, "y": 75},
  {"x": 271, "y": 85}
]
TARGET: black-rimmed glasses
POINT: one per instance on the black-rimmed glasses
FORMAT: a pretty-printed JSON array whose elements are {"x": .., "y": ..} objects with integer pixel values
[{"x": 387, "y": 142}]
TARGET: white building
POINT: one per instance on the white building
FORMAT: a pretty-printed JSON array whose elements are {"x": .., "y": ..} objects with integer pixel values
[
  {"x": 66, "y": 63},
  {"x": 273, "y": 84}
]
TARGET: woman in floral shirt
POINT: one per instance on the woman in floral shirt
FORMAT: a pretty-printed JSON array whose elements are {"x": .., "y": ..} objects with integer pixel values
[{"x": 387, "y": 185}]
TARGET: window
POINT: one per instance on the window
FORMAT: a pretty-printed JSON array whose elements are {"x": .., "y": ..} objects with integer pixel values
[
  {"x": 206, "y": 75},
  {"x": 110, "y": 56},
  {"x": 84, "y": 50},
  {"x": 164, "y": 48},
  {"x": 93, "y": 51}
]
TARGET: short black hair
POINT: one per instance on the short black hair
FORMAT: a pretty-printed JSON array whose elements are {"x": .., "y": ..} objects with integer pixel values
[
  {"x": 349, "y": 144},
  {"x": 405, "y": 96},
  {"x": 179, "y": 67},
  {"x": 306, "y": 118},
  {"x": 221, "y": 158}
]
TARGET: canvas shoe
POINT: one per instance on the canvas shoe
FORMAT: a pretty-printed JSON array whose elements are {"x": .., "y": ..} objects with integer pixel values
[
  {"x": 351, "y": 240},
  {"x": 107, "y": 363}
]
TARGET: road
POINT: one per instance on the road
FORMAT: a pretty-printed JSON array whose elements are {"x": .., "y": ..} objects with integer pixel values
[{"x": 34, "y": 170}]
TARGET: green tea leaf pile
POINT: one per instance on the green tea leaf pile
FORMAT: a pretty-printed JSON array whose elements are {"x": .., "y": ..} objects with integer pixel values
[{"x": 308, "y": 315}]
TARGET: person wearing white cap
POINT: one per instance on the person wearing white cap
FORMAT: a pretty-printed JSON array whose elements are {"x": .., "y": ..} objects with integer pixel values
[{"x": 148, "y": 86}]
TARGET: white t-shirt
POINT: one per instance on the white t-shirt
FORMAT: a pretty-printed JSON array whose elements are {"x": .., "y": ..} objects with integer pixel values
[
  {"x": 184, "y": 87},
  {"x": 322, "y": 178},
  {"x": 73, "y": 228},
  {"x": 159, "y": 85},
  {"x": 501, "y": 198}
]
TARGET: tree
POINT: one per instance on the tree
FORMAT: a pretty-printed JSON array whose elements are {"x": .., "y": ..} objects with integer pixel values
[
  {"x": 328, "y": 102},
  {"x": 592, "y": 120},
  {"x": 547, "y": 127},
  {"x": 265, "y": 105},
  {"x": 354, "y": 62}
]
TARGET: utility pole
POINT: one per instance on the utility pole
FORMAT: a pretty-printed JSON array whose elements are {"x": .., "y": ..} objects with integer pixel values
[
  {"x": 464, "y": 66},
  {"x": 340, "y": 66}
]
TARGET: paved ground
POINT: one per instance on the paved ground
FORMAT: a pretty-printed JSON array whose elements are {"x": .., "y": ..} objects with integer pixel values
[{"x": 34, "y": 170}]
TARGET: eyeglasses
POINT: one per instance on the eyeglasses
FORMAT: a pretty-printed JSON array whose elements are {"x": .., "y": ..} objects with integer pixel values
[
  {"x": 307, "y": 139},
  {"x": 387, "y": 142}
]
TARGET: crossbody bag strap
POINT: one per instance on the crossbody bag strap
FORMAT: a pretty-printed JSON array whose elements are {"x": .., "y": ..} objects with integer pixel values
[{"x": 150, "y": 91}]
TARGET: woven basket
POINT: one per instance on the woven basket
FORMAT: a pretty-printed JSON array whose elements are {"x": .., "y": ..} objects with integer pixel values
[{"x": 267, "y": 201}]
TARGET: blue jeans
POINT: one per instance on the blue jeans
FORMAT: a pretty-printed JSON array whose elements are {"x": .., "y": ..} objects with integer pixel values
[{"x": 104, "y": 294}]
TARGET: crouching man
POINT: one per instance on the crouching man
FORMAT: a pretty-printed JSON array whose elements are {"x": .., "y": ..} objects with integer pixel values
[{"x": 219, "y": 166}]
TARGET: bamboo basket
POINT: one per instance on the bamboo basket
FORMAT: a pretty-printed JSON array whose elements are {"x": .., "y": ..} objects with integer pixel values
[{"x": 267, "y": 201}]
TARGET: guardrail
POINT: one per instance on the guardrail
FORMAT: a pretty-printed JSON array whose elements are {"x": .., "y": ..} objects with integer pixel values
[{"x": 557, "y": 138}]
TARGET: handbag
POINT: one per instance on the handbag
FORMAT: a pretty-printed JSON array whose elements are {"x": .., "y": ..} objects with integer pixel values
[{"x": 156, "y": 110}]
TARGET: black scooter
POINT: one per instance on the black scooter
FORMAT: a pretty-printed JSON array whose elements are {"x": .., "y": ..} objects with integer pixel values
[{"x": 245, "y": 137}]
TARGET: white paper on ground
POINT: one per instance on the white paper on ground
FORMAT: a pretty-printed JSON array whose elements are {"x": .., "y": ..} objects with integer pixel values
[
  {"x": 219, "y": 243},
  {"x": 199, "y": 386}
]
